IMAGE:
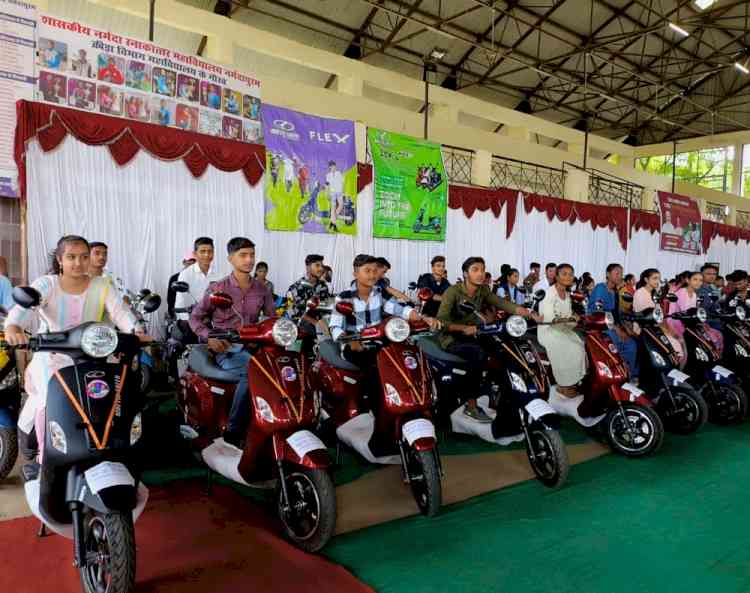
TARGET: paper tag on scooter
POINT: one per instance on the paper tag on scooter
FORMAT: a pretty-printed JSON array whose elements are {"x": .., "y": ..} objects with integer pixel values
[
  {"x": 678, "y": 376},
  {"x": 538, "y": 408},
  {"x": 421, "y": 428},
  {"x": 108, "y": 474},
  {"x": 635, "y": 393},
  {"x": 722, "y": 372},
  {"x": 303, "y": 441}
]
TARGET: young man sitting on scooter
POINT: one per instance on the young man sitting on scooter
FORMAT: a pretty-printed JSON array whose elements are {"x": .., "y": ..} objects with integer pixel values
[
  {"x": 460, "y": 327},
  {"x": 309, "y": 286},
  {"x": 249, "y": 298}
]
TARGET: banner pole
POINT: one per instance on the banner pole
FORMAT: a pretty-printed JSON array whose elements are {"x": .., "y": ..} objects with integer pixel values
[
  {"x": 151, "y": 9},
  {"x": 674, "y": 163}
]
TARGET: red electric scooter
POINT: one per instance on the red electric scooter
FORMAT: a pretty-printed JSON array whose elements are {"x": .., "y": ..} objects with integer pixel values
[
  {"x": 397, "y": 427},
  {"x": 280, "y": 452},
  {"x": 611, "y": 405}
]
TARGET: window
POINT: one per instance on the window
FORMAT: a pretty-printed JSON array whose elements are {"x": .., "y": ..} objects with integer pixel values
[
  {"x": 711, "y": 167},
  {"x": 745, "y": 189}
]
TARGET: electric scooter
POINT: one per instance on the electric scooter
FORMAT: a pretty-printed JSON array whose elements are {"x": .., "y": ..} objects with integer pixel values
[
  {"x": 279, "y": 452},
  {"x": 87, "y": 487},
  {"x": 397, "y": 427},
  {"x": 433, "y": 225},
  {"x": 141, "y": 304},
  {"x": 517, "y": 387},
  {"x": 310, "y": 210},
  {"x": 734, "y": 328}
]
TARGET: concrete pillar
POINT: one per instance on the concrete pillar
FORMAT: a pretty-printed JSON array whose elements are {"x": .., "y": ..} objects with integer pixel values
[
  {"x": 648, "y": 200},
  {"x": 732, "y": 218},
  {"x": 576, "y": 185},
  {"x": 576, "y": 151},
  {"x": 737, "y": 176},
  {"x": 360, "y": 139},
  {"x": 350, "y": 85},
  {"x": 517, "y": 133},
  {"x": 443, "y": 115},
  {"x": 481, "y": 168},
  {"x": 220, "y": 49}
]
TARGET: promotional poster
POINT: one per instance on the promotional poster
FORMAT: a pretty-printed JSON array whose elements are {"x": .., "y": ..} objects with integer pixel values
[
  {"x": 411, "y": 187},
  {"x": 680, "y": 224},
  {"x": 311, "y": 172}
]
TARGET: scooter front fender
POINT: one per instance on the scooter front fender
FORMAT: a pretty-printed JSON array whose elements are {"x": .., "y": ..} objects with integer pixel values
[{"x": 305, "y": 449}]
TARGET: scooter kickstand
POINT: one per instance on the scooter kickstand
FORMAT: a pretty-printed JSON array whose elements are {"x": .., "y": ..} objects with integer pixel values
[{"x": 42, "y": 530}]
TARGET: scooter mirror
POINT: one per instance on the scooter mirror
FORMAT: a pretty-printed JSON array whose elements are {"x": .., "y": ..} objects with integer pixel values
[
  {"x": 672, "y": 297},
  {"x": 627, "y": 297},
  {"x": 151, "y": 302},
  {"x": 467, "y": 307},
  {"x": 220, "y": 300},
  {"x": 424, "y": 294},
  {"x": 345, "y": 308},
  {"x": 180, "y": 286},
  {"x": 144, "y": 293},
  {"x": 412, "y": 285},
  {"x": 26, "y": 297},
  {"x": 540, "y": 294}
]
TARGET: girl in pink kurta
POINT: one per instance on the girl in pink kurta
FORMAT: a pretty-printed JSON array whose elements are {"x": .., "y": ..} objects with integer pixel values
[
  {"x": 69, "y": 297},
  {"x": 687, "y": 298},
  {"x": 644, "y": 299}
]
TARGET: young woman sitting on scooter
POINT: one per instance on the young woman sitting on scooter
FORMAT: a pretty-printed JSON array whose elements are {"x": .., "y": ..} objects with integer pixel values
[
  {"x": 687, "y": 298},
  {"x": 69, "y": 297},
  {"x": 643, "y": 299},
  {"x": 565, "y": 348}
]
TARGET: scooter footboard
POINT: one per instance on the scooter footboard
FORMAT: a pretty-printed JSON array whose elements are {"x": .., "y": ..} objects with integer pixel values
[{"x": 302, "y": 448}]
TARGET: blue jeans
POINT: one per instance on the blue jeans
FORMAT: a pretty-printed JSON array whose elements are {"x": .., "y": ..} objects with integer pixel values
[
  {"x": 235, "y": 360},
  {"x": 629, "y": 350}
]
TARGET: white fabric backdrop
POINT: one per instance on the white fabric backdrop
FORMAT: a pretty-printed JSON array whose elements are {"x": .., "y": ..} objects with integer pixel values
[{"x": 150, "y": 211}]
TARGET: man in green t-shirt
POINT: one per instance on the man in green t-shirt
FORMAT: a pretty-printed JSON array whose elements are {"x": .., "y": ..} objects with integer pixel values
[{"x": 460, "y": 328}]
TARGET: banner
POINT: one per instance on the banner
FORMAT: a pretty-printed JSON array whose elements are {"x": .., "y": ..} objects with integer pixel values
[
  {"x": 411, "y": 187},
  {"x": 17, "y": 24},
  {"x": 86, "y": 68},
  {"x": 680, "y": 224},
  {"x": 311, "y": 172}
]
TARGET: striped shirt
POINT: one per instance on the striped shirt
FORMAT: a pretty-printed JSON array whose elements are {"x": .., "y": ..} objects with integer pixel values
[{"x": 366, "y": 313}]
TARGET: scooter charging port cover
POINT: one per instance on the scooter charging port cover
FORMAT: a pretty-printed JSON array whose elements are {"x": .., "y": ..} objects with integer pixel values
[{"x": 421, "y": 428}]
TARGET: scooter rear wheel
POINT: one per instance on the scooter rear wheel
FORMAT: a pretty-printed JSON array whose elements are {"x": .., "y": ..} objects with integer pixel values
[
  {"x": 110, "y": 553},
  {"x": 310, "y": 519},
  {"x": 644, "y": 421},
  {"x": 424, "y": 479},
  {"x": 550, "y": 457},
  {"x": 8, "y": 450},
  {"x": 731, "y": 405},
  {"x": 693, "y": 415}
]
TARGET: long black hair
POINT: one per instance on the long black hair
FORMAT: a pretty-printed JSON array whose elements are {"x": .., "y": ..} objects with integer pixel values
[
  {"x": 645, "y": 275},
  {"x": 55, "y": 255}
]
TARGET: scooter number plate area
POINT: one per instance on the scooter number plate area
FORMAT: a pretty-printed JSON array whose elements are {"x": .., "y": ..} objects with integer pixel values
[
  {"x": 722, "y": 372},
  {"x": 538, "y": 408},
  {"x": 420, "y": 428},
  {"x": 634, "y": 392},
  {"x": 303, "y": 441},
  {"x": 108, "y": 474},
  {"x": 678, "y": 376}
]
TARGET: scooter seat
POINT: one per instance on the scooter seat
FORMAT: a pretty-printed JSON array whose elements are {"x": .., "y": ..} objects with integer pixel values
[
  {"x": 431, "y": 347},
  {"x": 202, "y": 362},
  {"x": 329, "y": 351}
]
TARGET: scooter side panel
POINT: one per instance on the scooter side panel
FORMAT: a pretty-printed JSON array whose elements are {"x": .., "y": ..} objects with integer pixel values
[
  {"x": 206, "y": 403},
  {"x": 341, "y": 391},
  {"x": 404, "y": 368}
]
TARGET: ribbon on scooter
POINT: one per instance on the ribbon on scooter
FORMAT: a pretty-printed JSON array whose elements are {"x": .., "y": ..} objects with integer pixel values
[
  {"x": 539, "y": 385},
  {"x": 705, "y": 342},
  {"x": 297, "y": 413},
  {"x": 612, "y": 357},
  {"x": 405, "y": 377},
  {"x": 74, "y": 402},
  {"x": 672, "y": 355}
]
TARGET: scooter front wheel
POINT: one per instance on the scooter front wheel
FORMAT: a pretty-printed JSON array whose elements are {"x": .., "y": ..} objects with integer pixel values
[
  {"x": 310, "y": 517},
  {"x": 8, "y": 450},
  {"x": 689, "y": 412},
  {"x": 729, "y": 406},
  {"x": 634, "y": 431},
  {"x": 110, "y": 553},
  {"x": 424, "y": 479},
  {"x": 548, "y": 456}
]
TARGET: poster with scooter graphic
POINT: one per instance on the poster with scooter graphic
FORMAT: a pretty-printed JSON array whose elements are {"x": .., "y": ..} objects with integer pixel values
[
  {"x": 411, "y": 187},
  {"x": 311, "y": 172}
]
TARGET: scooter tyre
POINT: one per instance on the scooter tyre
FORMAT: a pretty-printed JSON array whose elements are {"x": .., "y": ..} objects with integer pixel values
[
  {"x": 321, "y": 482},
  {"x": 428, "y": 497},
  {"x": 121, "y": 548},
  {"x": 555, "y": 448},
  {"x": 8, "y": 450},
  {"x": 644, "y": 415},
  {"x": 700, "y": 408},
  {"x": 740, "y": 406}
]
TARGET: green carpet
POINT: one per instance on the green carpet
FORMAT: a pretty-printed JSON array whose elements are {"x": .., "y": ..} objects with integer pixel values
[{"x": 677, "y": 522}]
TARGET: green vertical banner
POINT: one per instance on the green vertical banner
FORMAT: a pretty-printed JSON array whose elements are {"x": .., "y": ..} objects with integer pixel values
[{"x": 411, "y": 188}]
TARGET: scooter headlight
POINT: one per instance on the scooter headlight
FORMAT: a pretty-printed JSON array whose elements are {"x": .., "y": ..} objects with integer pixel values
[
  {"x": 518, "y": 383},
  {"x": 609, "y": 319},
  {"x": 99, "y": 340},
  {"x": 284, "y": 332},
  {"x": 658, "y": 315},
  {"x": 741, "y": 313},
  {"x": 136, "y": 429},
  {"x": 57, "y": 437},
  {"x": 391, "y": 395},
  {"x": 658, "y": 359},
  {"x": 397, "y": 329},
  {"x": 701, "y": 355},
  {"x": 604, "y": 370},
  {"x": 516, "y": 326},
  {"x": 701, "y": 314},
  {"x": 264, "y": 409}
]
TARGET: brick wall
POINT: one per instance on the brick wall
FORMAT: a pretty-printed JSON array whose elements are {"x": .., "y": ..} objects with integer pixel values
[{"x": 10, "y": 236}]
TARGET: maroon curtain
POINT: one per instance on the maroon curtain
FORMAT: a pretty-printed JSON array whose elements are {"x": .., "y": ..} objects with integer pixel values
[
  {"x": 711, "y": 229},
  {"x": 124, "y": 138},
  {"x": 471, "y": 199},
  {"x": 644, "y": 220},
  {"x": 364, "y": 176}
]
